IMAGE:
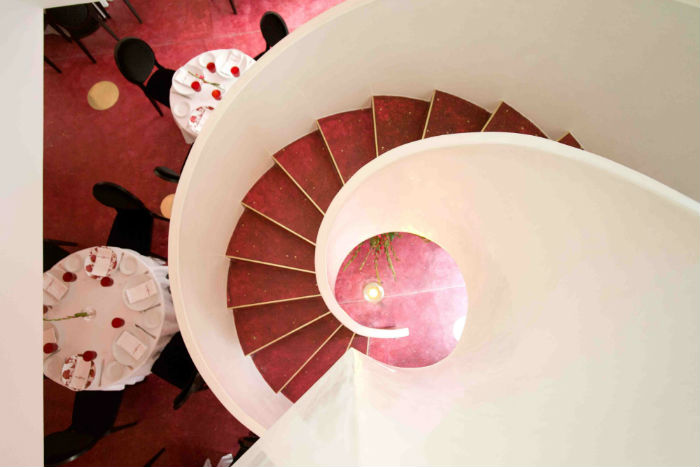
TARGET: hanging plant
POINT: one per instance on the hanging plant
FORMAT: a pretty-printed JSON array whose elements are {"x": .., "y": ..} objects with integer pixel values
[{"x": 379, "y": 246}]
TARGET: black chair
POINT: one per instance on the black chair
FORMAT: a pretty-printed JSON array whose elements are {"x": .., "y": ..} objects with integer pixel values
[
  {"x": 175, "y": 366},
  {"x": 167, "y": 174},
  {"x": 233, "y": 7},
  {"x": 133, "y": 226},
  {"x": 135, "y": 59},
  {"x": 53, "y": 253},
  {"x": 52, "y": 64},
  {"x": 244, "y": 444},
  {"x": 273, "y": 29},
  {"x": 80, "y": 21},
  {"x": 94, "y": 414}
]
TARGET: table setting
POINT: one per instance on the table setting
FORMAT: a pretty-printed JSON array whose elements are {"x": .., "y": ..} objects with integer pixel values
[
  {"x": 200, "y": 84},
  {"x": 107, "y": 315}
]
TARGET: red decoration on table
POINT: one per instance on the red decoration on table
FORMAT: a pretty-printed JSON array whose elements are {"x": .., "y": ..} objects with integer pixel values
[
  {"x": 235, "y": 71},
  {"x": 216, "y": 94},
  {"x": 69, "y": 277},
  {"x": 106, "y": 281},
  {"x": 93, "y": 258},
  {"x": 211, "y": 67},
  {"x": 117, "y": 322},
  {"x": 50, "y": 347},
  {"x": 88, "y": 268},
  {"x": 47, "y": 308},
  {"x": 196, "y": 86},
  {"x": 89, "y": 355}
]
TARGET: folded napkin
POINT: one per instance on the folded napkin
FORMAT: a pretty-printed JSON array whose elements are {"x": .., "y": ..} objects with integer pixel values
[
  {"x": 131, "y": 345},
  {"x": 141, "y": 291},
  {"x": 183, "y": 77},
  {"x": 234, "y": 58},
  {"x": 49, "y": 336},
  {"x": 80, "y": 374},
  {"x": 54, "y": 287},
  {"x": 103, "y": 262}
]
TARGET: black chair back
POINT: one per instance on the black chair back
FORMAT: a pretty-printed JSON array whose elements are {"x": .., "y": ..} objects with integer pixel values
[
  {"x": 77, "y": 19},
  {"x": 133, "y": 225},
  {"x": 117, "y": 197},
  {"x": 135, "y": 59},
  {"x": 273, "y": 28},
  {"x": 94, "y": 414},
  {"x": 52, "y": 254}
]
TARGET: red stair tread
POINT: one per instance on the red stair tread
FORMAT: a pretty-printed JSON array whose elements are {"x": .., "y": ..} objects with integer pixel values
[
  {"x": 250, "y": 283},
  {"x": 308, "y": 162},
  {"x": 506, "y": 118},
  {"x": 258, "y": 326},
  {"x": 451, "y": 114},
  {"x": 398, "y": 120},
  {"x": 360, "y": 343},
  {"x": 350, "y": 138},
  {"x": 258, "y": 239},
  {"x": 570, "y": 140},
  {"x": 318, "y": 365},
  {"x": 279, "y": 361},
  {"x": 276, "y": 196}
]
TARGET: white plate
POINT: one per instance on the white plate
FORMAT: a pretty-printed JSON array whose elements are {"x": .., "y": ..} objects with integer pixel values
[
  {"x": 112, "y": 373},
  {"x": 116, "y": 257},
  {"x": 181, "y": 109},
  {"x": 225, "y": 62},
  {"x": 146, "y": 302},
  {"x": 206, "y": 58},
  {"x": 128, "y": 265},
  {"x": 72, "y": 263},
  {"x": 151, "y": 319},
  {"x": 123, "y": 357},
  {"x": 53, "y": 365}
]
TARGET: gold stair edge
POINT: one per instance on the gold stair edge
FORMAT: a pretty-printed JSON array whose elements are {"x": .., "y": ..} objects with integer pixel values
[
  {"x": 335, "y": 164},
  {"x": 249, "y": 305},
  {"x": 427, "y": 118},
  {"x": 279, "y": 164},
  {"x": 288, "y": 334},
  {"x": 238, "y": 258},
  {"x": 340, "y": 326},
  {"x": 277, "y": 223}
]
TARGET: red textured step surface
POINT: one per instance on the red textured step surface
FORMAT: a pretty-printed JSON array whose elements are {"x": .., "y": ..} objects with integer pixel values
[
  {"x": 398, "y": 120},
  {"x": 250, "y": 283},
  {"x": 359, "y": 343},
  {"x": 260, "y": 325},
  {"x": 451, "y": 114},
  {"x": 309, "y": 163},
  {"x": 278, "y": 362},
  {"x": 570, "y": 140},
  {"x": 277, "y": 197},
  {"x": 256, "y": 238},
  {"x": 318, "y": 365},
  {"x": 350, "y": 138},
  {"x": 506, "y": 118}
]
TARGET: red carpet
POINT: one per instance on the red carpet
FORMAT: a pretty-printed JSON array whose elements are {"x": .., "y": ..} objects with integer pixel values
[{"x": 123, "y": 144}]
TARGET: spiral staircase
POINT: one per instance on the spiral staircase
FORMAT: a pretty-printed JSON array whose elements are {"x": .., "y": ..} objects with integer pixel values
[{"x": 280, "y": 317}]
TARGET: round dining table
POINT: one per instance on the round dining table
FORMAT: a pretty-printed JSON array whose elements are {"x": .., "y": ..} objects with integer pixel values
[
  {"x": 107, "y": 315},
  {"x": 200, "y": 84}
]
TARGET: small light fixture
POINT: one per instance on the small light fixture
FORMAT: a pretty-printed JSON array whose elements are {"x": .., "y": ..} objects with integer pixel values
[{"x": 373, "y": 292}]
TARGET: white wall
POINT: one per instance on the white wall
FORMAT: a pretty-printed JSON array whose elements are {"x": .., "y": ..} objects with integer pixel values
[
  {"x": 21, "y": 403},
  {"x": 582, "y": 343},
  {"x": 623, "y": 76}
]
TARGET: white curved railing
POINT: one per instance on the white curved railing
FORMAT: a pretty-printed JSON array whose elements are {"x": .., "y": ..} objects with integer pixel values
[{"x": 557, "y": 67}]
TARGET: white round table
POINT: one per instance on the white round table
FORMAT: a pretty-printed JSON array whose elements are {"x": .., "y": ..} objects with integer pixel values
[
  {"x": 190, "y": 108},
  {"x": 130, "y": 318}
]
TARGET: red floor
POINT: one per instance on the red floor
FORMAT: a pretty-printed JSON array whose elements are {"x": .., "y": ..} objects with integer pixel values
[
  {"x": 123, "y": 144},
  {"x": 428, "y": 296}
]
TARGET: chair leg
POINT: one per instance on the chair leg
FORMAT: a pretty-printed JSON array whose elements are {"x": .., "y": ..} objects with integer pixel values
[
  {"x": 128, "y": 4},
  {"x": 114, "y": 429},
  {"x": 233, "y": 7},
  {"x": 82, "y": 47},
  {"x": 108, "y": 29},
  {"x": 153, "y": 459},
  {"x": 102, "y": 10},
  {"x": 155, "y": 104},
  {"x": 52, "y": 64}
]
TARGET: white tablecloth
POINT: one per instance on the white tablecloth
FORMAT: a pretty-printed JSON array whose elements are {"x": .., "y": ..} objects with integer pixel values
[
  {"x": 184, "y": 101},
  {"x": 154, "y": 326}
]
